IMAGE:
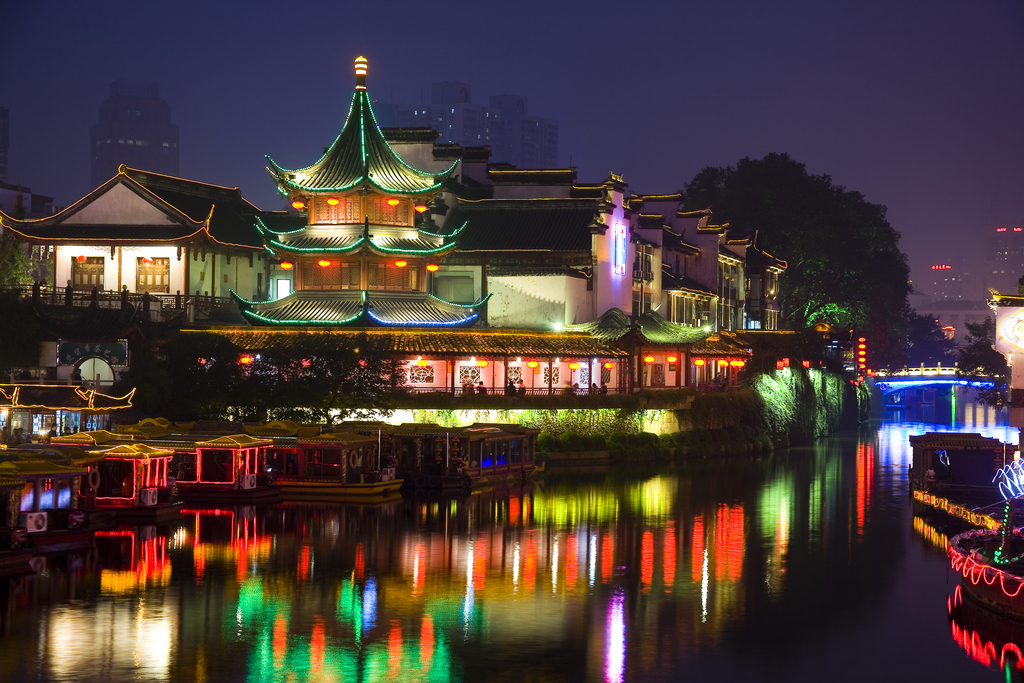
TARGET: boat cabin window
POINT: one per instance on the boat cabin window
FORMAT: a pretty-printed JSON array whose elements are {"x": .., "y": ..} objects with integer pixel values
[
  {"x": 282, "y": 462},
  {"x": 515, "y": 453},
  {"x": 502, "y": 454},
  {"x": 216, "y": 466},
  {"x": 185, "y": 470},
  {"x": 487, "y": 456},
  {"x": 406, "y": 453},
  {"x": 474, "y": 453},
  {"x": 117, "y": 479},
  {"x": 323, "y": 462},
  {"x": 528, "y": 449}
]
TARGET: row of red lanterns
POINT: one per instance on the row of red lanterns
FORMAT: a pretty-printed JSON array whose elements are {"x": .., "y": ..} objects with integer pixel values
[
  {"x": 325, "y": 263},
  {"x": 334, "y": 201}
]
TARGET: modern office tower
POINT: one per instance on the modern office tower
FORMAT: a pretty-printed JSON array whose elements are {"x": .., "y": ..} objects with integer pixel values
[
  {"x": 134, "y": 129},
  {"x": 527, "y": 141}
]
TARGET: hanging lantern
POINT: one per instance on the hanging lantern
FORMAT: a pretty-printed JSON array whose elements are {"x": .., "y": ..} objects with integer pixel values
[
  {"x": 723, "y": 362},
  {"x": 323, "y": 263},
  {"x": 609, "y": 365},
  {"x": 287, "y": 265},
  {"x": 80, "y": 258},
  {"x": 394, "y": 202},
  {"x": 245, "y": 360},
  {"x": 648, "y": 359},
  {"x": 671, "y": 359},
  {"x": 574, "y": 366},
  {"x": 420, "y": 208},
  {"x": 422, "y": 363},
  {"x": 532, "y": 364},
  {"x": 202, "y": 361},
  {"x": 432, "y": 267},
  {"x": 737, "y": 363},
  {"x": 699, "y": 362},
  {"x": 298, "y": 204},
  {"x": 481, "y": 363},
  {"x": 401, "y": 263},
  {"x": 333, "y": 201},
  {"x": 362, "y": 362},
  {"x": 147, "y": 260}
]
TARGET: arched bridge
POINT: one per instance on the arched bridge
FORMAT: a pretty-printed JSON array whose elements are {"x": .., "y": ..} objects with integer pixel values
[{"x": 936, "y": 376}]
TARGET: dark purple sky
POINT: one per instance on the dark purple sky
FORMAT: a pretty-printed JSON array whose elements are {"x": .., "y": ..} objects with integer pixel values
[{"x": 919, "y": 105}]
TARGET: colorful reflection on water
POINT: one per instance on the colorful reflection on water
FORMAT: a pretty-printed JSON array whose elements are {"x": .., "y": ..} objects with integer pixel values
[{"x": 742, "y": 569}]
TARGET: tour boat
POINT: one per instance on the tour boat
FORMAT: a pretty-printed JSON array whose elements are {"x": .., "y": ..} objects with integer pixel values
[
  {"x": 429, "y": 456},
  {"x": 339, "y": 466},
  {"x": 43, "y": 503},
  {"x": 129, "y": 479},
  {"x": 225, "y": 469}
]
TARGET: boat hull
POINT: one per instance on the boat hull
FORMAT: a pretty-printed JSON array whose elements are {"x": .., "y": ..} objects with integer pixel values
[
  {"x": 331, "y": 491},
  {"x": 205, "y": 493}
]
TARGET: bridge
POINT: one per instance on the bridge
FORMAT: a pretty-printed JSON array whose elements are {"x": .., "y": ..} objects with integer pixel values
[{"x": 936, "y": 376}]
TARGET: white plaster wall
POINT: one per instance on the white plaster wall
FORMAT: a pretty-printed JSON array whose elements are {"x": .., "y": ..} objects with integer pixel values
[
  {"x": 129, "y": 264},
  {"x": 611, "y": 290},
  {"x": 420, "y": 155},
  {"x": 527, "y": 302}
]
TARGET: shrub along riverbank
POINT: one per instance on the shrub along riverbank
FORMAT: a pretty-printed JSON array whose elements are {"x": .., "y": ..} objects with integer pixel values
[{"x": 789, "y": 407}]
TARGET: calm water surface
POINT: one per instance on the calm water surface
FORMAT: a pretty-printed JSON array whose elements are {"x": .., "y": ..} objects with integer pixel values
[{"x": 808, "y": 565}]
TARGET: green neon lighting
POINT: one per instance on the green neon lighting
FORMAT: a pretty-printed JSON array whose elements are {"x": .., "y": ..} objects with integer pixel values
[
  {"x": 264, "y": 229},
  {"x": 318, "y": 250},
  {"x": 390, "y": 250},
  {"x": 293, "y": 321},
  {"x": 475, "y": 304},
  {"x": 348, "y": 116},
  {"x": 449, "y": 235}
]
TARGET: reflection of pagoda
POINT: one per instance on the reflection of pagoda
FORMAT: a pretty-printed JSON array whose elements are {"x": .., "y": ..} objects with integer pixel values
[{"x": 364, "y": 254}]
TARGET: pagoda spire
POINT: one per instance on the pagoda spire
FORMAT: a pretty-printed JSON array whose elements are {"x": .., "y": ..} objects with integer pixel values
[{"x": 361, "y": 65}]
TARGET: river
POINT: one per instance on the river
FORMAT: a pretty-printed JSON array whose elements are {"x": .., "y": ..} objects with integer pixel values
[{"x": 806, "y": 565}]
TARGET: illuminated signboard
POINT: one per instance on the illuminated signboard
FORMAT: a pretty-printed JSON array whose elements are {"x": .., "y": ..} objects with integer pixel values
[
  {"x": 942, "y": 267},
  {"x": 1000, "y": 229},
  {"x": 619, "y": 249}
]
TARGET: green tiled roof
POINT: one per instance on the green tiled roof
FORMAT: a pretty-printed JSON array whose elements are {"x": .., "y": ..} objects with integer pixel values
[
  {"x": 614, "y": 325},
  {"x": 359, "y": 156},
  {"x": 356, "y": 308}
]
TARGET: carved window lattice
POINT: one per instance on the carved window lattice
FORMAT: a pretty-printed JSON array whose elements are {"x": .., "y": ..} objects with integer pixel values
[
  {"x": 468, "y": 373},
  {"x": 658, "y": 375},
  {"x": 554, "y": 376},
  {"x": 583, "y": 376},
  {"x": 383, "y": 214},
  {"x": 606, "y": 375},
  {"x": 515, "y": 374},
  {"x": 346, "y": 211},
  {"x": 421, "y": 375}
]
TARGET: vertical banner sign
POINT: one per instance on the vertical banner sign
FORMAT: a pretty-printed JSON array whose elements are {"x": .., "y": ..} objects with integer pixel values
[{"x": 619, "y": 247}]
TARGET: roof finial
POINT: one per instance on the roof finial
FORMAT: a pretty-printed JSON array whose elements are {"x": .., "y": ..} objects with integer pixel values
[{"x": 361, "y": 73}]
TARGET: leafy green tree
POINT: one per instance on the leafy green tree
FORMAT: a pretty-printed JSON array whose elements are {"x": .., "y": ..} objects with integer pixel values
[
  {"x": 979, "y": 360},
  {"x": 14, "y": 263},
  {"x": 845, "y": 266},
  {"x": 926, "y": 342}
]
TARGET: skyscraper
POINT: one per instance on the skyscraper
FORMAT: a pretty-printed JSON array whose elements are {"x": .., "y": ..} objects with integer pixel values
[
  {"x": 5, "y": 142},
  {"x": 134, "y": 129},
  {"x": 528, "y": 141}
]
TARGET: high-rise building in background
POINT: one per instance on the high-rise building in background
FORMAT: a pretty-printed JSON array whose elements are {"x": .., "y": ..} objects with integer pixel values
[
  {"x": 134, "y": 129},
  {"x": 514, "y": 136},
  {"x": 1004, "y": 258},
  {"x": 5, "y": 142}
]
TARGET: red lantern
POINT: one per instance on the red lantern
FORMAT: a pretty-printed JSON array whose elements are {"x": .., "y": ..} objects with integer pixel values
[
  {"x": 323, "y": 263},
  {"x": 481, "y": 363},
  {"x": 401, "y": 263},
  {"x": 574, "y": 366},
  {"x": 532, "y": 364},
  {"x": 394, "y": 202},
  {"x": 297, "y": 204},
  {"x": 333, "y": 201},
  {"x": 287, "y": 265},
  {"x": 648, "y": 359},
  {"x": 80, "y": 258},
  {"x": 671, "y": 359},
  {"x": 147, "y": 260},
  {"x": 432, "y": 267},
  {"x": 422, "y": 363},
  {"x": 698, "y": 362},
  {"x": 362, "y": 362},
  {"x": 609, "y": 365},
  {"x": 737, "y": 363},
  {"x": 245, "y": 360},
  {"x": 420, "y": 208}
]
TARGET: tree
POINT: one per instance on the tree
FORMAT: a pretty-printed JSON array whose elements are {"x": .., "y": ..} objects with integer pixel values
[
  {"x": 19, "y": 344},
  {"x": 14, "y": 263},
  {"x": 980, "y": 361},
  {"x": 926, "y": 342},
  {"x": 845, "y": 266}
]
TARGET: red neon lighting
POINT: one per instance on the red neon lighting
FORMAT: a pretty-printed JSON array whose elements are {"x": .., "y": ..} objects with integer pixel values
[
  {"x": 607, "y": 550},
  {"x": 976, "y": 572},
  {"x": 942, "y": 267},
  {"x": 479, "y": 563},
  {"x": 670, "y": 556},
  {"x": 303, "y": 568},
  {"x": 697, "y": 550},
  {"x": 530, "y": 563},
  {"x": 647, "y": 561},
  {"x": 1000, "y": 229},
  {"x": 1018, "y": 229},
  {"x": 571, "y": 562}
]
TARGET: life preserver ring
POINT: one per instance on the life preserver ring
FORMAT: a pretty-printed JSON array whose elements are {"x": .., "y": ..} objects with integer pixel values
[
  {"x": 94, "y": 479},
  {"x": 354, "y": 459},
  {"x": 420, "y": 482},
  {"x": 434, "y": 482}
]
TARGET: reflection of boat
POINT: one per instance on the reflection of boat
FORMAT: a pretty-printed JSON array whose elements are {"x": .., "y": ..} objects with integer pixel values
[
  {"x": 985, "y": 636},
  {"x": 986, "y": 577}
]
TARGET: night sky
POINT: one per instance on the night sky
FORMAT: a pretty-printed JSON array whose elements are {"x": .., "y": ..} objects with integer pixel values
[{"x": 918, "y": 105}]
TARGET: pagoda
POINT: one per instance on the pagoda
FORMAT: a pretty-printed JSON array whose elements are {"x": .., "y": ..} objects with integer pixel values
[{"x": 362, "y": 249}]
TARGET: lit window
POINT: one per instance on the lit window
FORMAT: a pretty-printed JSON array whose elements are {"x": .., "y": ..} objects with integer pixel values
[
  {"x": 167, "y": 144},
  {"x": 121, "y": 142},
  {"x": 131, "y": 142}
]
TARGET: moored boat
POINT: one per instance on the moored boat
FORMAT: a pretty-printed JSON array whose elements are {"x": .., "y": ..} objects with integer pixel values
[{"x": 339, "y": 466}]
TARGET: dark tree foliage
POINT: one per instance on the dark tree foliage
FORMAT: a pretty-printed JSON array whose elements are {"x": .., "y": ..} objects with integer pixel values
[
  {"x": 316, "y": 378},
  {"x": 845, "y": 266},
  {"x": 979, "y": 360},
  {"x": 926, "y": 343},
  {"x": 19, "y": 343}
]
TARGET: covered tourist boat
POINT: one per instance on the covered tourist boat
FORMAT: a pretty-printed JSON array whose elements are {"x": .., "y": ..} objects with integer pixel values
[
  {"x": 14, "y": 553},
  {"x": 130, "y": 479},
  {"x": 955, "y": 472},
  {"x": 433, "y": 457},
  {"x": 45, "y": 503},
  {"x": 225, "y": 469},
  {"x": 339, "y": 466}
]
